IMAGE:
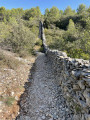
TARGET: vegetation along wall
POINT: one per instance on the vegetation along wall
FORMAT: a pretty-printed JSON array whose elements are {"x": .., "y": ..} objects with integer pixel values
[{"x": 73, "y": 75}]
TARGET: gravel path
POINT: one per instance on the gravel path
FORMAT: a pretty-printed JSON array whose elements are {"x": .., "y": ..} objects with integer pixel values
[{"x": 44, "y": 100}]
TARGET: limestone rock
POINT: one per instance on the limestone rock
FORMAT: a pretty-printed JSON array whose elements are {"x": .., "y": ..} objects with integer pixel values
[
  {"x": 87, "y": 117},
  {"x": 87, "y": 97},
  {"x": 81, "y": 84}
]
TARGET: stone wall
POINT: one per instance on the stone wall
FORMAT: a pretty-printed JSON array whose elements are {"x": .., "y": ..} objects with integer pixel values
[{"x": 73, "y": 75}]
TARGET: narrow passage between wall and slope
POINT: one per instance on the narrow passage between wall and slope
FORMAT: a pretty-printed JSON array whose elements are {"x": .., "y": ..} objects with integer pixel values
[{"x": 44, "y": 99}]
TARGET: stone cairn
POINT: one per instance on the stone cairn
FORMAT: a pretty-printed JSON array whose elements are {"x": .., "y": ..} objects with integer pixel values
[{"x": 73, "y": 75}]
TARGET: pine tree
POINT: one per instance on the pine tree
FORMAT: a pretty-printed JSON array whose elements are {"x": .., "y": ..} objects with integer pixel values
[
  {"x": 68, "y": 11},
  {"x": 81, "y": 9},
  {"x": 71, "y": 26}
]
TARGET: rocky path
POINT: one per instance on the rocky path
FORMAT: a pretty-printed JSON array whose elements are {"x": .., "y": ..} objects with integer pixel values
[{"x": 44, "y": 100}]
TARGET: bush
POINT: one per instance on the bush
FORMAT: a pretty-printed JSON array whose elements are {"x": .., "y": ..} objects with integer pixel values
[
  {"x": 21, "y": 39},
  {"x": 38, "y": 42},
  {"x": 19, "y": 35},
  {"x": 73, "y": 42}
]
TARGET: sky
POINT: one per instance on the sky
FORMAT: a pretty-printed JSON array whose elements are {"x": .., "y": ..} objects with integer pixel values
[{"x": 43, "y": 4}]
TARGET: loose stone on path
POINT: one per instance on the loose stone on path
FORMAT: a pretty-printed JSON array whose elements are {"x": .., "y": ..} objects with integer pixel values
[{"x": 44, "y": 98}]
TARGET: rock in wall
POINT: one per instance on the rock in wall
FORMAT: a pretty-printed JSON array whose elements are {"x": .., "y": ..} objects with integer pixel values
[{"x": 73, "y": 75}]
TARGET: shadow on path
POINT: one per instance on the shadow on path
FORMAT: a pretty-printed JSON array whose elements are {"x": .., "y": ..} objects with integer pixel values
[{"x": 22, "y": 101}]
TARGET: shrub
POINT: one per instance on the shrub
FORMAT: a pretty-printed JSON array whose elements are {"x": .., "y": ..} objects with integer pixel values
[
  {"x": 21, "y": 39},
  {"x": 38, "y": 42},
  {"x": 72, "y": 41}
]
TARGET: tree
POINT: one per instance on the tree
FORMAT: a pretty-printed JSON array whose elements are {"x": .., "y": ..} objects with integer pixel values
[
  {"x": 68, "y": 11},
  {"x": 46, "y": 13},
  {"x": 17, "y": 13},
  {"x": 88, "y": 10},
  {"x": 21, "y": 38},
  {"x": 52, "y": 15},
  {"x": 61, "y": 12},
  {"x": 81, "y": 9},
  {"x": 70, "y": 34},
  {"x": 4, "y": 31},
  {"x": 71, "y": 26},
  {"x": 2, "y": 13},
  {"x": 12, "y": 21},
  {"x": 38, "y": 12},
  {"x": 8, "y": 14},
  {"x": 33, "y": 12}
]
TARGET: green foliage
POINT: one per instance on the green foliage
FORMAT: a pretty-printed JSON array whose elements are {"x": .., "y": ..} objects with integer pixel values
[
  {"x": 35, "y": 30},
  {"x": 21, "y": 38},
  {"x": 41, "y": 49},
  {"x": 69, "y": 12},
  {"x": 61, "y": 13},
  {"x": 12, "y": 21},
  {"x": 88, "y": 10},
  {"x": 71, "y": 26},
  {"x": 17, "y": 13},
  {"x": 73, "y": 32},
  {"x": 74, "y": 42},
  {"x": 2, "y": 13},
  {"x": 51, "y": 16},
  {"x": 66, "y": 30},
  {"x": 54, "y": 14},
  {"x": 4, "y": 31},
  {"x": 81, "y": 9},
  {"x": 75, "y": 53},
  {"x": 54, "y": 38},
  {"x": 46, "y": 13},
  {"x": 19, "y": 29},
  {"x": 33, "y": 12},
  {"x": 38, "y": 42},
  {"x": 87, "y": 23},
  {"x": 9, "y": 101},
  {"x": 6, "y": 14}
]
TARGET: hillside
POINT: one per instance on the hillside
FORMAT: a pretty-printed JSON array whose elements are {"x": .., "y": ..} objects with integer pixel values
[
  {"x": 69, "y": 31},
  {"x": 14, "y": 72},
  {"x": 18, "y": 45}
]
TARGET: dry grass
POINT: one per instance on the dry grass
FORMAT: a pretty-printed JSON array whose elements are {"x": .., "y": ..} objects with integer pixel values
[{"x": 8, "y": 61}]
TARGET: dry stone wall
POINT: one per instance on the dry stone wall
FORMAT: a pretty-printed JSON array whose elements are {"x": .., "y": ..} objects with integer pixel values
[{"x": 73, "y": 75}]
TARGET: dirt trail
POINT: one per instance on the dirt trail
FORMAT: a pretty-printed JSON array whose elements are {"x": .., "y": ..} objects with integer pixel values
[{"x": 44, "y": 99}]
